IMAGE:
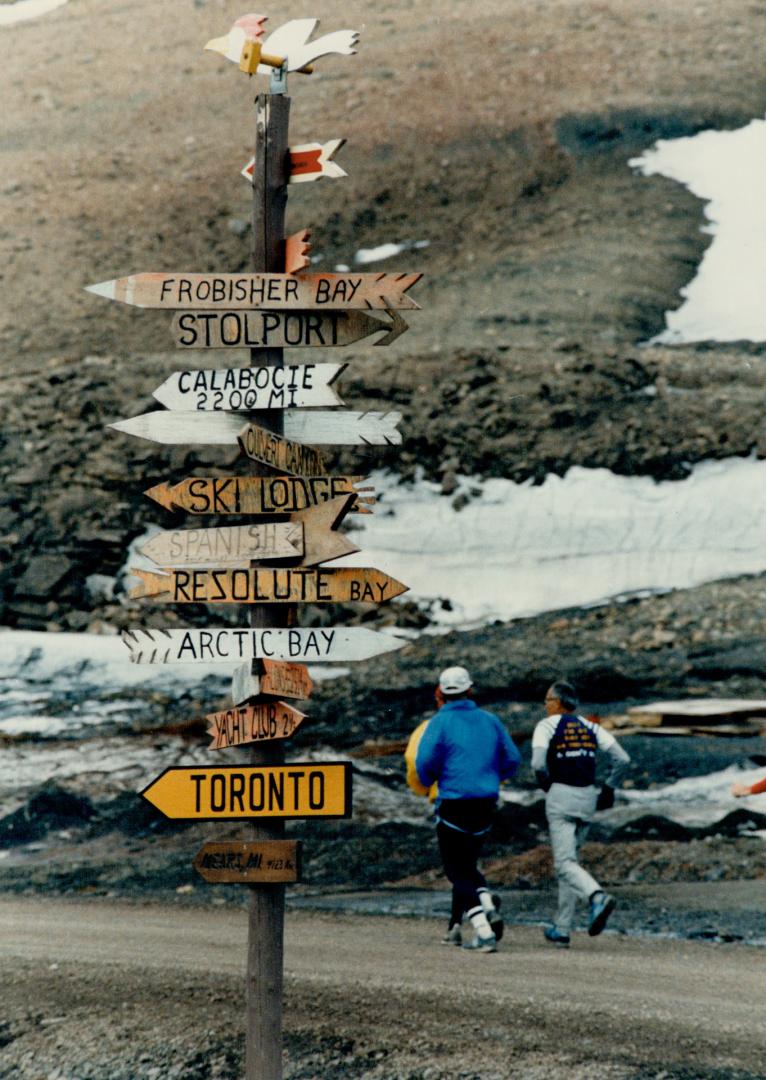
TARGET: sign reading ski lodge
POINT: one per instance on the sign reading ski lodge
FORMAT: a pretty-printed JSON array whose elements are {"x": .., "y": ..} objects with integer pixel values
[
  {"x": 285, "y": 496},
  {"x": 276, "y": 561}
]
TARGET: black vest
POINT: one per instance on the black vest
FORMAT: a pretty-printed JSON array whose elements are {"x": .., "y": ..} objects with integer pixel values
[{"x": 572, "y": 753}]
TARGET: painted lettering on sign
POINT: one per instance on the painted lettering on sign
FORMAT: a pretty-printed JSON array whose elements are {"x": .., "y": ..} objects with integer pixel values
[
  {"x": 265, "y": 446},
  {"x": 242, "y": 862},
  {"x": 230, "y": 646},
  {"x": 269, "y": 677},
  {"x": 260, "y": 494},
  {"x": 259, "y": 722},
  {"x": 291, "y": 386},
  {"x": 229, "y": 791},
  {"x": 281, "y": 329},
  {"x": 270, "y": 585},
  {"x": 231, "y": 545}
]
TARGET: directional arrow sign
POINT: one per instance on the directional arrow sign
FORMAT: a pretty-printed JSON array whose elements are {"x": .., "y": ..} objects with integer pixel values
[
  {"x": 321, "y": 540},
  {"x": 293, "y": 457},
  {"x": 294, "y": 386},
  {"x": 341, "y": 428},
  {"x": 189, "y": 793},
  {"x": 308, "y": 161},
  {"x": 233, "y": 545},
  {"x": 281, "y": 329},
  {"x": 260, "y": 494},
  {"x": 279, "y": 291},
  {"x": 259, "y": 722},
  {"x": 281, "y": 680},
  {"x": 228, "y": 646},
  {"x": 235, "y": 862},
  {"x": 269, "y": 585}
]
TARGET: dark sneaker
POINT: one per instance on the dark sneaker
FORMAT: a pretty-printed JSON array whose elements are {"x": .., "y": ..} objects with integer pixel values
[
  {"x": 453, "y": 936},
  {"x": 601, "y": 907},
  {"x": 550, "y": 933},
  {"x": 482, "y": 944}
]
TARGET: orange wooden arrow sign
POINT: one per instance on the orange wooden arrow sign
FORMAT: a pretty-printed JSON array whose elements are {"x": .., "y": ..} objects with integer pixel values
[
  {"x": 277, "y": 291},
  {"x": 236, "y": 862},
  {"x": 284, "y": 454},
  {"x": 221, "y": 792},
  {"x": 270, "y": 677},
  {"x": 260, "y": 494},
  {"x": 268, "y": 585},
  {"x": 308, "y": 161},
  {"x": 258, "y": 722},
  {"x": 281, "y": 329}
]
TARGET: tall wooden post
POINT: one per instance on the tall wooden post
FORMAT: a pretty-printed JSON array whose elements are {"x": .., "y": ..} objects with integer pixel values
[{"x": 267, "y": 902}]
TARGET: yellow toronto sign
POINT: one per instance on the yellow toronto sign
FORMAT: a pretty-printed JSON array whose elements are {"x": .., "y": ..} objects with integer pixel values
[{"x": 230, "y": 791}]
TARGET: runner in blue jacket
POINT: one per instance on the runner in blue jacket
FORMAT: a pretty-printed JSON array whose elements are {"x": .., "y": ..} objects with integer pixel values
[{"x": 467, "y": 752}]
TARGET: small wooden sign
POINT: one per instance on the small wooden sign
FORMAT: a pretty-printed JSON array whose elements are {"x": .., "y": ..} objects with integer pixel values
[
  {"x": 273, "y": 677},
  {"x": 225, "y": 645},
  {"x": 298, "y": 251},
  {"x": 217, "y": 793},
  {"x": 281, "y": 329},
  {"x": 284, "y": 454},
  {"x": 273, "y": 291},
  {"x": 260, "y": 721},
  {"x": 261, "y": 494},
  {"x": 342, "y": 427},
  {"x": 268, "y": 585},
  {"x": 231, "y": 545},
  {"x": 308, "y": 161},
  {"x": 261, "y": 862},
  {"x": 294, "y": 386}
]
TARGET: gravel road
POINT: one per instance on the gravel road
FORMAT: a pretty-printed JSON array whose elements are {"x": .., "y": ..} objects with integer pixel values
[{"x": 116, "y": 991}]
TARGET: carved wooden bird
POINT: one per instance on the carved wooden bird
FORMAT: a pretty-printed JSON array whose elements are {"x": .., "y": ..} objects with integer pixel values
[{"x": 290, "y": 42}]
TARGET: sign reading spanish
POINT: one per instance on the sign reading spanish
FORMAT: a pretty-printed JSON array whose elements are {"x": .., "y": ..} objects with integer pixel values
[{"x": 300, "y": 790}]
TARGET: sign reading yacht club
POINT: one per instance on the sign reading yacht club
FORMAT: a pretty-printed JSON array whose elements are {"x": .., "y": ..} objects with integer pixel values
[
  {"x": 215, "y": 793},
  {"x": 268, "y": 585},
  {"x": 280, "y": 329},
  {"x": 225, "y": 645},
  {"x": 278, "y": 291},
  {"x": 253, "y": 722},
  {"x": 294, "y": 386}
]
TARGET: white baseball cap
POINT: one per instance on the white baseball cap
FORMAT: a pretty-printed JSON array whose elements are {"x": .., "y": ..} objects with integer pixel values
[{"x": 454, "y": 680}]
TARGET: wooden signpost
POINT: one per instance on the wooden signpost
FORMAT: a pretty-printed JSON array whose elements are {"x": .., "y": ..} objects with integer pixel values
[
  {"x": 270, "y": 677},
  {"x": 275, "y": 412},
  {"x": 223, "y": 792},
  {"x": 235, "y": 863},
  {"x": 277, "y": 329},
  {"x": 283, "y": 454},
  {"x": 232, "y": 545},
  {"x": 309, "y": 161},
  {"x": 260, "y": 494},
  {"x": 268, "y": 585},
  {"x": 254, "y": 722},
  {"x": 232, "y": 389},
  {"x": 225, "y": 645},
  {"x": 274, "y": 291},
  {"x": 344, "y": 427}
]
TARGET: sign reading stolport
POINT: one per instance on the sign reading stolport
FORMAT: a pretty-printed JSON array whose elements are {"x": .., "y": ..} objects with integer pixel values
[{"x": 189, "y": 793}]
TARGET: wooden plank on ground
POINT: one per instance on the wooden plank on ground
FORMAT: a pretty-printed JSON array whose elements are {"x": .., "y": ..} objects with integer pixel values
[{"x": 707, "y": 710}]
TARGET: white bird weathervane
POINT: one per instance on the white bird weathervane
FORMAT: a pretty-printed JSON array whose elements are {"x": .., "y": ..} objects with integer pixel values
[{"x": 287, "y": 49}]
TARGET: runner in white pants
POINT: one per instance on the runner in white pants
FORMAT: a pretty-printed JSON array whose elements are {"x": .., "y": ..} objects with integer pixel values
[{"x": 564, "y": 750}]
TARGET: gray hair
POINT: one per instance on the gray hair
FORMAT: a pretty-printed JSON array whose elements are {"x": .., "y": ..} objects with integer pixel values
[{"x": 566, "y": 694}]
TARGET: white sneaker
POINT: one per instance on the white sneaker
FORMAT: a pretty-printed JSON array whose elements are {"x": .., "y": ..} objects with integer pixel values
[
  {"x": 453, "y": 936},
  {"x": 482, "y": 944}
]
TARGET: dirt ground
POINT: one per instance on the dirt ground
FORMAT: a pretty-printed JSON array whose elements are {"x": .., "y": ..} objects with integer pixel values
[{"x": 135, "y": 993}]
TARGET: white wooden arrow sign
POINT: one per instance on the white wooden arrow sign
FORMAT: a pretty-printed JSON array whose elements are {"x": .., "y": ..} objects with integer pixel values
[
  {"x": 294, "y": 386},
  {"x": 341, "y": 428},
  {"x": 230, "y": 546},
  {"x": 230, "y": 646},
  {"x": 273, "y": 291},
  {"x": 309, "y": 161},
  {"x": 281, "y": 329}
]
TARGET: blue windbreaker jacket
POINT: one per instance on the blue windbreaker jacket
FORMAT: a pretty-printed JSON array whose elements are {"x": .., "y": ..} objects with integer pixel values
[{"x": 467, "y": 751}]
